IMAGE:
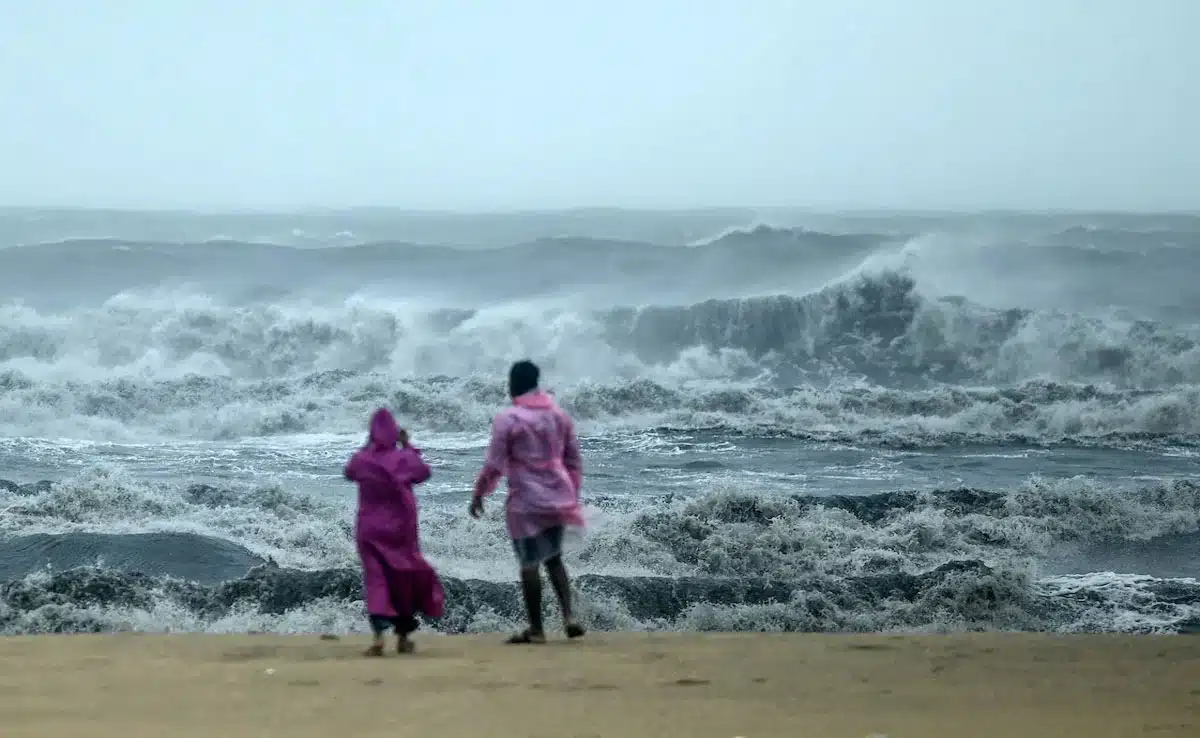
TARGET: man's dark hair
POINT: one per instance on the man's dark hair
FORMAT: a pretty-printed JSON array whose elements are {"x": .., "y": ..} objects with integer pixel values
[{"x": 523, "y": 377}]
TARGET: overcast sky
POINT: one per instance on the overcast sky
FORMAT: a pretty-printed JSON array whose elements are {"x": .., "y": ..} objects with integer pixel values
[{"x": 497, "y": 104}]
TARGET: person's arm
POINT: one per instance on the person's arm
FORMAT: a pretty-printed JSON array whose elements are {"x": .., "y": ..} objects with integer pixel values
[
  {"x": 350, "y": 472},
  {"x": 416, "y": 470},
  {"x": 571, "y": 457},
  {"x": 495, "y": 461}
]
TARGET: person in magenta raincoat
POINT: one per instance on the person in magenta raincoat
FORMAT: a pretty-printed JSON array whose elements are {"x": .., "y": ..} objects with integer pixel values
[
  {"x": 534, "y": 444},
  {"x": 400, "y": 584}
]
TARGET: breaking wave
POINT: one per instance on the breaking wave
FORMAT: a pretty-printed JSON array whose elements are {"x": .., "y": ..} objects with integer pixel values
[{"x": 858, "y": 357}]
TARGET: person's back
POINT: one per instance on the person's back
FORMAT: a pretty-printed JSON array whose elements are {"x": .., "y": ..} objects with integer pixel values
[
  {"x": 541, "y": 462},
  {"x": 387, "y": 506}
]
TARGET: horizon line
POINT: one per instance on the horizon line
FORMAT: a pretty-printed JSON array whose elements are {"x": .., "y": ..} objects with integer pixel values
[{"x": 587, "y": 210}]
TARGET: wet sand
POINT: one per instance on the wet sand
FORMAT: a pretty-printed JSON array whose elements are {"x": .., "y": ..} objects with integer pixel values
[{"x": 618, "y": 685}]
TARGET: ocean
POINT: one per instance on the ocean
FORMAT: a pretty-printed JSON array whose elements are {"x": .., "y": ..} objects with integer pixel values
[{"x": 790, "y": 421}]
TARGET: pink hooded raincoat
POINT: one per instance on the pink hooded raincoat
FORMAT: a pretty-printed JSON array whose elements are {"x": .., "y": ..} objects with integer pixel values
[
  {"x": 534, "y": 445},
  {"x": 397, "y": 578}
]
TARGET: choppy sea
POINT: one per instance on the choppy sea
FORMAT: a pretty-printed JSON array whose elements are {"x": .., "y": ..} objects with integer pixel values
[{"x": 790, "y": 421}]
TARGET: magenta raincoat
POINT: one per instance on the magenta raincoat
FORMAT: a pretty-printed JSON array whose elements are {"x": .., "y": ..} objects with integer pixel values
[
  {"x": 533, "y": 444},
  {"x": 397, "y": 578}
]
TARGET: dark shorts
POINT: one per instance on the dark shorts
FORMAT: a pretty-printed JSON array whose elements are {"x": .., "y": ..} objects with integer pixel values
[{"x": 539, "y": 549}]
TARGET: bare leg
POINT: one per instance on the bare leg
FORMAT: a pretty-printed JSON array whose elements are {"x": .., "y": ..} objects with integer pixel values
[
  {"x": 531, "y": 588},
  {"x": 562, "y": 587},
  {"x": 379, "y": 626},
  {"x": 405, "y": 625}
]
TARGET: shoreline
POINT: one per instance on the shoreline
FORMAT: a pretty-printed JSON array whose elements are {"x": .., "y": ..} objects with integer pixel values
[{"x": 608, "y": 684}]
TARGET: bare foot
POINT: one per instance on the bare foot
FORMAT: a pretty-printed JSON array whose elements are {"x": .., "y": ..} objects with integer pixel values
[
  {"x": 404, "y": 645},
  {"x": 374, "y": 650}
]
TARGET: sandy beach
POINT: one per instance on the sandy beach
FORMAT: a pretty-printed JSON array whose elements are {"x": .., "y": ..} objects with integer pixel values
[{"x": 627, "y": 685}]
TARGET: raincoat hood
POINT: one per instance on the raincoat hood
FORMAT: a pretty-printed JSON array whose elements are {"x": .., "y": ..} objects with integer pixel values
[{"x": 385, "y": 433}]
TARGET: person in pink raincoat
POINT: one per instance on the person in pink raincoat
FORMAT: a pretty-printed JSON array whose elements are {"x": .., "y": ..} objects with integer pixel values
[
  {"x": 533, "y": 443},
  {"x": 400, "y": 584}
]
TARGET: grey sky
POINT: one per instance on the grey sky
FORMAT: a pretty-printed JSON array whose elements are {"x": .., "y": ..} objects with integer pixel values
[{"x": 495, "y": 104}]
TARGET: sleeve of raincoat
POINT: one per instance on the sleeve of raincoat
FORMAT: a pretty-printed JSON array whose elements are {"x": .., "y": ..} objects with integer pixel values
[
  {"x": 414, "y": 470},
  {"x": 496, "y": 460},
  {"x": 571, "y": 458},
  {"x": 353, "y": 466}
]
